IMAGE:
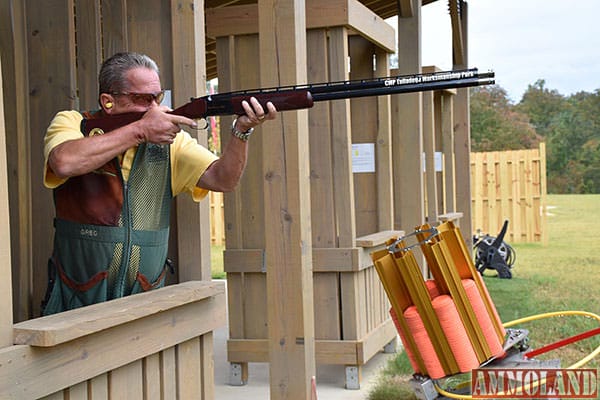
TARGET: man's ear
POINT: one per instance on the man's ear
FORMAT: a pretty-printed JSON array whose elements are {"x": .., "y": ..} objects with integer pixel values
[{"x": 107, "y": 102}]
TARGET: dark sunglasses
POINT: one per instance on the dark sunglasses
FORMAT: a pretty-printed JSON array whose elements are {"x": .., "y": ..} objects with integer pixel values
[{"x": 144, "y": 99}]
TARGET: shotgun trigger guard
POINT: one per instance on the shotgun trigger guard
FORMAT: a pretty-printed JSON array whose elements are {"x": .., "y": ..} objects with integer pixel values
[{"x": 393, "y": 249}]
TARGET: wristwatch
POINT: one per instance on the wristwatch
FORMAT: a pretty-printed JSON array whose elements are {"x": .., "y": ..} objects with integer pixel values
[{"x": 241, "y": 135}]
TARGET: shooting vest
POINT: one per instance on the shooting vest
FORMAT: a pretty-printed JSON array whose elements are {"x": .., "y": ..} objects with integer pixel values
[{"x": 111, "y": 235}]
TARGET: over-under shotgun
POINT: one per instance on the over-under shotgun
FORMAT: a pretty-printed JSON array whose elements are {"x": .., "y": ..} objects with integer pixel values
[{"x": 303, "y": 96}]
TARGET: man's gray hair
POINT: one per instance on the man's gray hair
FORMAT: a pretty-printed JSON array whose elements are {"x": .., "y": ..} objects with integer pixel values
[{"x": 112, "y": 73}]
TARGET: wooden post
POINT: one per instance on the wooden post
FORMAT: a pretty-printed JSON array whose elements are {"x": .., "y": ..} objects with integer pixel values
[
  {"x": 288, "y": 244},
  {"x": 429, "y": 148},
  {"x": 6, "y": 321},
  {"x": 89, "y": 52},
  {"x": 543, "y": 195},
  {"x": 13, "y": 39},
  {"x": 341, "y": 133},
  {"x": 385, "y": 174},
  {"x": 52, "y": 88},
  {"x": 193, "y": 220},
  {"x": 189, "y": 80},
  {"x": 462, "y": 131},
  {"x": 408, "y": 129},
  {"x": 244, "y": 207},
  {"x": 331, "y": 177},
  {"x": 114, "y": 26},
  {"x": 449, "y": 174},
  {"x": 439, "y": 155}
]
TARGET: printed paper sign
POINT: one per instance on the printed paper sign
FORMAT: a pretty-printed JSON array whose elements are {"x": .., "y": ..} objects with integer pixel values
[{"x": 363, "y": 157}]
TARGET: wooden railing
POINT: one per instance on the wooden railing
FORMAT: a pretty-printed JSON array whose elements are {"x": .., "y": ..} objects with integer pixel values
[{"x": 155, "y": 345}]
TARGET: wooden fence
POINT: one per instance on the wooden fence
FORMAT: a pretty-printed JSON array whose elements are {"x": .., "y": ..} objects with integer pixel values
[
  {"x": 510, "y": 185},
  {"x": 217, "y": 219}
]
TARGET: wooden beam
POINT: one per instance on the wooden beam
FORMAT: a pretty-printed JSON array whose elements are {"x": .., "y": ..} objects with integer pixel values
[
  {"x": 364, "y": 120},
  {"x": 333, "y": 259},
  {"x": 406, "y": 9},
  {"x": 6, "y": 311},
  {"x": 448, "y": 150},
  {"x": 341, "y": 134},
  {"x": 407, "y": 128},
  {"x": 234, "y": 20},
  {"x": 189, "y": 80},
  {"x": 288, "y": 243},
  {"x": 89, "y": 52},
  {"x": 458, "y": 44},
  {"x": 243, "y": 20},
  {"x": 355, "y": 16},
  {"x": 439, "y": 173},
  {"x": 244, "y": 207},
  {"x": 432, "y": 145},
  {"x": 13, "y": 39},
  {"x": 429, "y": 148},
  {"x": 344, "y": 352},
  {"x": 462, "y": 142},
  {"x": 193, "y": 229},
  {"x": 52, "y": 88},
  {"x": 385, "y": 174},
  {"x": 324, "y": 260},
  {"x": 114, "y": 26},
  {"x": 324, "y": 176},
  {"x": 56, "y": 329}
]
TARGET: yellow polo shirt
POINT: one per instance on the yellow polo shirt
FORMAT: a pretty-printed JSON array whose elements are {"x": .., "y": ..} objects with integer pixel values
[{"x": 189, "y": 159}]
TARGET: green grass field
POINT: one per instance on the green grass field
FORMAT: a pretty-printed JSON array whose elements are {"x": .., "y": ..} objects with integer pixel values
[
  {"x": 562, "y": 275},
  {"x": 216, "y": 262}
]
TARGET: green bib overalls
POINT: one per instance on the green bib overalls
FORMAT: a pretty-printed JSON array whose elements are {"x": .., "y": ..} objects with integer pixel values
[{"x": 111, "y": 236}]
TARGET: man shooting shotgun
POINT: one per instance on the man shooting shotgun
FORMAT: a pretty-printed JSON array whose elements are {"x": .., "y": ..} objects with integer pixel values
[
  {"x": 115, "y": 171},
  {"x": 113, "y": 188}
]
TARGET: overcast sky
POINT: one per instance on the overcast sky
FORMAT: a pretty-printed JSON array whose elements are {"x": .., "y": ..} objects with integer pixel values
[{"x": 523, "y": 41}]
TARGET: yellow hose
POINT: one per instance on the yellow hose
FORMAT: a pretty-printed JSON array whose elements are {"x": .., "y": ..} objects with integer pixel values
[
  {"x": 578, "y": 364},
  {"x": 584, "y": 360}
]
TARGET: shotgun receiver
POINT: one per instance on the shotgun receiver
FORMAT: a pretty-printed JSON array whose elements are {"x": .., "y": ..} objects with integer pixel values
[{"x": 304, "y": 96}]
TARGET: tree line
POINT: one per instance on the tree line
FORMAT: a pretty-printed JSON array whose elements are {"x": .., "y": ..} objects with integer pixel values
[{"x": 569, "y": 125}]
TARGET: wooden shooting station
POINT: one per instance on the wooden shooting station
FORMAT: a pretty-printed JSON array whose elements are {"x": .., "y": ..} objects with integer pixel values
[{"x": 302, "y": 288}]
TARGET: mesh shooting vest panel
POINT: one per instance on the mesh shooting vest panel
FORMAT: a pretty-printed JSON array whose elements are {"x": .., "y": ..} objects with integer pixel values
[{"x": 111, "y": 236}]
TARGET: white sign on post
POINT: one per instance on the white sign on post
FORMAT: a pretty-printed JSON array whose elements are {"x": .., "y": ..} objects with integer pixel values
[
  {"x": 363, "y": 157},
  {"x": 439, "y": 161}
]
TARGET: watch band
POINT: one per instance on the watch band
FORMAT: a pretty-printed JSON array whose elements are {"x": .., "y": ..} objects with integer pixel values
[{"x": 244, "y": 136}]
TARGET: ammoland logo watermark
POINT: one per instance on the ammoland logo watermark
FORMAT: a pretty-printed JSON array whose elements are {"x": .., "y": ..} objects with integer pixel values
[{"x": 513, "y": 383}]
